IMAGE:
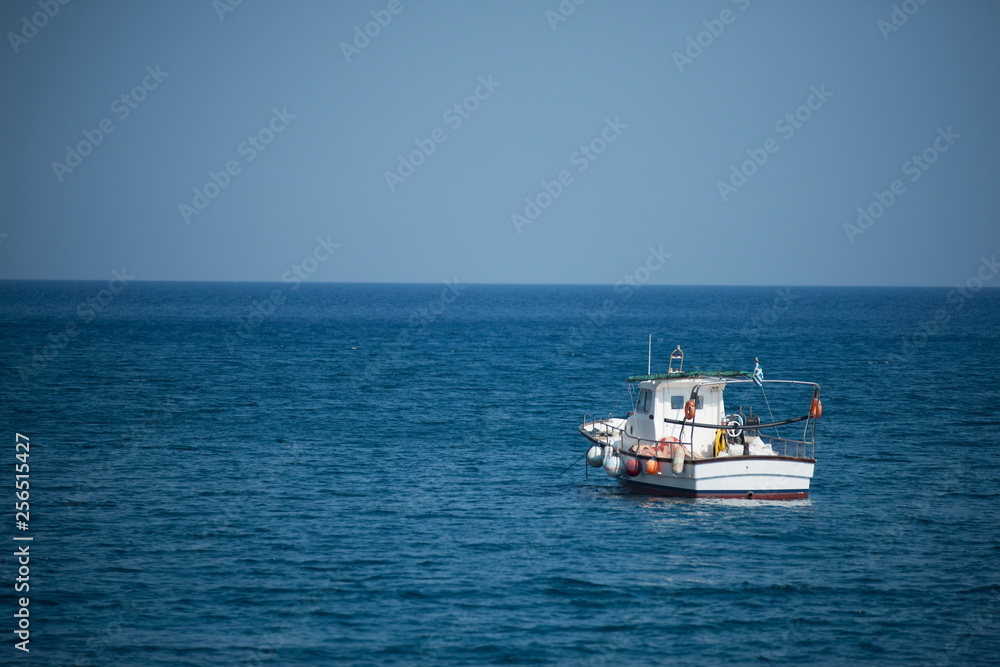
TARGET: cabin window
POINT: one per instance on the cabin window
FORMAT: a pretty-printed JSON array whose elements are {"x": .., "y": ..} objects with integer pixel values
[
  {"x": 645, "y": 401},
  {"x": 677, "y": 402}
]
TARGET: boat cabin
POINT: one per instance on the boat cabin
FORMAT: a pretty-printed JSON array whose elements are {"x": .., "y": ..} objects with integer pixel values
[{"x": 665, "y": 398}]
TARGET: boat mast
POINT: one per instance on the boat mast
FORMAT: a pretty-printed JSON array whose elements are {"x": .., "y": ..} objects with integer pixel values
[{"x": 649, "y": 357}]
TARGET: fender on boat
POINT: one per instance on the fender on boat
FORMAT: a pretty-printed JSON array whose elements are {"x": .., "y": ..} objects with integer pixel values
[{"x": 678, "y": 464}]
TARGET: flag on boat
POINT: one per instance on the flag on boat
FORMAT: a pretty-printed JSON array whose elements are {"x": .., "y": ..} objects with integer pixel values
[{"x": 758, "y": 374}]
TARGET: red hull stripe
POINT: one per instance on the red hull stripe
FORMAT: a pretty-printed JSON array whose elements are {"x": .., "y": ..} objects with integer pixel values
[{"x": 653, "y": 489}]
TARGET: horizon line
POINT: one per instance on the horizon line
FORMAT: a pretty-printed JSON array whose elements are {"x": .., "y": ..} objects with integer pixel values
[{"x": 479, "y": 284}]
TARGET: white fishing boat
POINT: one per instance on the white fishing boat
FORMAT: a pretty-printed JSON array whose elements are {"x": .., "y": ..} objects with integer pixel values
[{"x": 680, "y": 440}]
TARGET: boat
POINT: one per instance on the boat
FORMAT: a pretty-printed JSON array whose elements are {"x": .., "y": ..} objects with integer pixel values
[{"x": 680, "y": 440}]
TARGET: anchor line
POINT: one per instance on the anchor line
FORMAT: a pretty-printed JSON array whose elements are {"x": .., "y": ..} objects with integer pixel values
[{"x": 572, "y": 464}]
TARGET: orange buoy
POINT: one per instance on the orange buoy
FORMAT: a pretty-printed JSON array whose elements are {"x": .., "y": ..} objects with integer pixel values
[
  {"x": 689, "y": 410},
  {"x": 652, "y": 467},
  {"x": 816, "y": 410}
]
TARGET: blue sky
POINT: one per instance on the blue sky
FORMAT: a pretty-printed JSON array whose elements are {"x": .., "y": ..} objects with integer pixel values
[{"x": 741, "y": 137}]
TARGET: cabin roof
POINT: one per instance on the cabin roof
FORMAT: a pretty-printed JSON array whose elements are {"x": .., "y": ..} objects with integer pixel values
[{"x": 677, "y": 375}]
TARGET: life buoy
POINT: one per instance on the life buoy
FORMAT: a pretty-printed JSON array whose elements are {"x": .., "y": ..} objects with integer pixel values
[
  {"x": 816, "y": 410},
  {"x": 689, "y": 410},
  {"x": 720, "y": 441}
]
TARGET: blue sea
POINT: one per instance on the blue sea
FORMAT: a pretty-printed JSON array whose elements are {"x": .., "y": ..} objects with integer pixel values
[{"x": 249, "y": 474}]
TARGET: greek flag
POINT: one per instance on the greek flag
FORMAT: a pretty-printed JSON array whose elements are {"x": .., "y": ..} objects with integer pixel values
[{"x": 758, "y": 374}]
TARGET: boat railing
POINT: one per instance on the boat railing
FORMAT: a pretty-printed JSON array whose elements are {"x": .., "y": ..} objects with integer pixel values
[
  {"x": 600, "y": 427},
  {"x": 788, "y": 446},
  {"x": 799, "y": 446}
]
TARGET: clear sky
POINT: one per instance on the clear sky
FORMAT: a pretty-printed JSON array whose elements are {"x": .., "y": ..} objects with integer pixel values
[{"x": 741, "y": 136}]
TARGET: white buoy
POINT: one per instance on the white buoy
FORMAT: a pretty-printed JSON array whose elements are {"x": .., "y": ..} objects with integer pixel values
[
  {"x": 595, "y": 456},
  {"x": 614, "y": 466},
  {"x": 678, "y": 464}
]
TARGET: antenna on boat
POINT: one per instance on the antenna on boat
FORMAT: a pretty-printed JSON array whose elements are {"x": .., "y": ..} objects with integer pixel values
[{"x": 649, "y": 357}]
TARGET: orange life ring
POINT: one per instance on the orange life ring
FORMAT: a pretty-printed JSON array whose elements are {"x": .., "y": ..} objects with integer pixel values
[
  {"x": 816, "y": 410},
  {"x": 689, "y": 410}
]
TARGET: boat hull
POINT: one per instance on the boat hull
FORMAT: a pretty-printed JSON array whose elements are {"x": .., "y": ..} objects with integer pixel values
[{"x": 756, "y": 477}]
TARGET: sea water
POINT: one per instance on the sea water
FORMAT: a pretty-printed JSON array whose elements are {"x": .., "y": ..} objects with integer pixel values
[{"x": 383, "y": 474}]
